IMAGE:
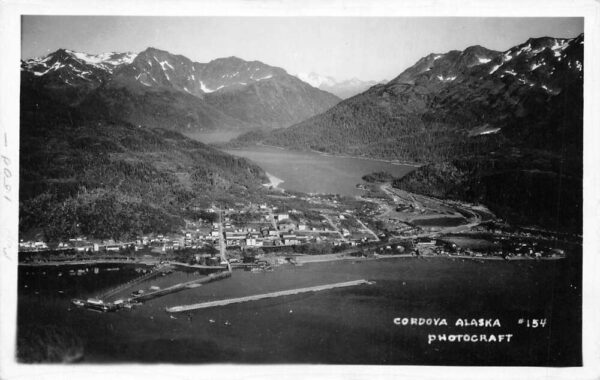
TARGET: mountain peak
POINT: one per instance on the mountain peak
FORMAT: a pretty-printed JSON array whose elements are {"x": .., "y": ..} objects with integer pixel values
[
  {"x": 343, "y": 89},
  {"x": 224, "y": 93},
  {"x": 152, "y": 50}
]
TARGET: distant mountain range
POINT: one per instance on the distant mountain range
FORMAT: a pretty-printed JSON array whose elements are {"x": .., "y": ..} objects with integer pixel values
[
  {"x": 159, "y": 89},
  {"x": 343, "y": 89},
  {"x": 503, "y": 128}
]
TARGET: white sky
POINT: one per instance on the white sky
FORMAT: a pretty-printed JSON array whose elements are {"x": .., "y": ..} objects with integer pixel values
[{"x": 343, "y": 47}]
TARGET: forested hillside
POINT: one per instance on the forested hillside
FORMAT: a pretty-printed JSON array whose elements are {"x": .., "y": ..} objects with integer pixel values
[
  {"x": 502, "y": 128},
  {"x": 83, "y": 175}
]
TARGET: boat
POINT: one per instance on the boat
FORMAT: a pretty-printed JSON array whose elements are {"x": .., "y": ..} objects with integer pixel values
[
  {"x": 78, "y": 302},
  {"x": 95, "y": 305}
]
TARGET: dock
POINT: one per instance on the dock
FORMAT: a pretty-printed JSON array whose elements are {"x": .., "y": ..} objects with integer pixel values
[
  {"x": 129, "y": 284},
  {"x": 182, "y": 286},
  {"x": 204, "y": 305},
  {"x": 198, "y": 266}
]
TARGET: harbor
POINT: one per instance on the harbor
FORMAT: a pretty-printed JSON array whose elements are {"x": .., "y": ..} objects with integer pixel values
[{"x": 305, "y": 325}]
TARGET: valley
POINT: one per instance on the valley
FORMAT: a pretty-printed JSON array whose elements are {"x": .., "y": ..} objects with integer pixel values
[
  {"x": 311, "y": 172},
  {"x": 161, "y": 192},
  {"x": 482, "y": 124}
]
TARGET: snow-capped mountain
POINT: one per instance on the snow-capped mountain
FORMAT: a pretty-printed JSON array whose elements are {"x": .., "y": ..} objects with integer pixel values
[
  {"x": 539, "y": 62},
  {"x": 72, "y": 75},
  {"x": 68, "y": 60},
  {"x": 159, "y": 68},
  {"x": 470, "y": 88},
  {"x": 343, "y": 89},
  {"x": 501, "y": 128},
  {"x": 226, "y": 92}
]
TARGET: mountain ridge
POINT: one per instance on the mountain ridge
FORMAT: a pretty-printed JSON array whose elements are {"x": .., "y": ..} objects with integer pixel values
[
  {"x": 472, "y": 118},
  {"x": 155, "y": 78}
]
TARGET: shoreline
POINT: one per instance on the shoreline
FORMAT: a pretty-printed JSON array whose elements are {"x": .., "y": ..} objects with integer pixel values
[
  {"x": 88, "y": 262},
  {"x": 304, "y": 259},
  {"x": 392, "y": 162},
  {"x": 273, "y": 181},
  {"x": 308, "y": 259}
]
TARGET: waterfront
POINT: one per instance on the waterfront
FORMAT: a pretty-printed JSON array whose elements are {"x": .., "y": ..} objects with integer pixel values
[
  {"x": 351, "y": 325},
  {"x": 317, "y": 173}
]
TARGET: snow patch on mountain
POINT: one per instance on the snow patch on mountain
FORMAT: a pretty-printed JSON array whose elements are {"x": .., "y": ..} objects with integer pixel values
[
  {"x": 316, "y": 80},
  {"x": 57, "y": 65},
  {"x": 165, "y": 63},
  {"x": 204, "y": 88},
  {"x": 446, "y": 79},
  {"x": 104, "y": 60},
  {"x": 209, "y": 90},
  {"x": 496, "y": 67},
  {"x": 261, "y": 78},
  {"x": 536, "y": 65}
]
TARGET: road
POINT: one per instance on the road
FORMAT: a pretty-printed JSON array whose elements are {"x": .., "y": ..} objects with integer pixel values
[
  {"x": 222, "y": 248},
  {"x": 334, "y": 227},
  {"x": 367, "y": 229},
  {"x": 439, "y": 206}
]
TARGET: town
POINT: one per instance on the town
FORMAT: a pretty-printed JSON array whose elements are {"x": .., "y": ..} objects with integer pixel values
[{"x": 317, "y": 227}]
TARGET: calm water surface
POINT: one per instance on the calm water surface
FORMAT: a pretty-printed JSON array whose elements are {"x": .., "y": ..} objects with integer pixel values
[
  {"x": 346, "y": 325},
  {"x": 315, "y": 173}
]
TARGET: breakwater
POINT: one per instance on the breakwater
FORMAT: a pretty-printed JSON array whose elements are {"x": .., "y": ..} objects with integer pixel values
[{"x": 203, "y": 305}]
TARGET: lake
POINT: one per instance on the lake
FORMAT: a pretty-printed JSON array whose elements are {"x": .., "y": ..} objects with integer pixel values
[
  {"x": 317, "y": 173},
  {"x": 340, "y": 326}
]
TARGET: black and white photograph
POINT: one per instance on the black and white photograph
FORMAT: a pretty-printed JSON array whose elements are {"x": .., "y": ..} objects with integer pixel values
[{"x": 364, "y": 190}]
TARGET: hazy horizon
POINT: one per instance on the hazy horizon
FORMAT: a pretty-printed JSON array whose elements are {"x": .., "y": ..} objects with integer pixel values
[{"x": 341, "y": 47}]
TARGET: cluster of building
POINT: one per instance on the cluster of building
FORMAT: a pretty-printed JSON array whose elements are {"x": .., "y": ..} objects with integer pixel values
[
  {"x": 530, "y": 249},
  {"x": 245, "y": 226}
]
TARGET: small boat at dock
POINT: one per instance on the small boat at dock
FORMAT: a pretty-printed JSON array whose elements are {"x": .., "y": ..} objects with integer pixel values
[{"x": 78, "y": 302}]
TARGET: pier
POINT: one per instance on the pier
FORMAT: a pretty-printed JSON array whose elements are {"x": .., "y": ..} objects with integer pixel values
[
  {"x": 198, "y": 266},
  {"x": 204, "y": 305},
  {"x": 137, "y": 280},
  {"x": 182, "y": 286}
]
